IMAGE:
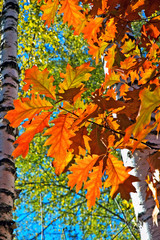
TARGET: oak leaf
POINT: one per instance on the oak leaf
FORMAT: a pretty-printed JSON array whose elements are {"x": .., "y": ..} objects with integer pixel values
[
  {"x": 71, "y": 13},
  {"x": 71, "y": 94},
  {"x": 111, "y": 79},
  {"x": 86, "y": 114},
  {"x": 74, "y": 76},
  {"x": 80, "y": 170},
  {"x": 119, "y": 178},
  {"x": 79, "y": 141},
  {"x": 149, "y": 101},
  {"x": 60, "y": 141},
  {"x": 32, "y": 128},
  {"x": 49, "y": 10},
  {"x": 40, "y": 82},
  {"x": 92, "y": 28},
  {"x": 94, "y": 184},
  {"x": 27, "y": 109},
  {"x": 110, "y": 30},
  {"x": 97, "y": 51},
  {"x": 96, "y": 145}
]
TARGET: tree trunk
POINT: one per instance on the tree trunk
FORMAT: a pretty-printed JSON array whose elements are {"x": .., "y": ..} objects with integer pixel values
[
  {"x": 143, "y": 208},
  {"x": 9, "y": 89}
]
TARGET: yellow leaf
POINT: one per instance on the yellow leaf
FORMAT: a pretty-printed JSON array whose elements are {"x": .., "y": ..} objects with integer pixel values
[
  {"x": 111, "y": 79},
  {"x": 149, "y": 101},
  {"x": 49, "y": 11},
  {"x": 74, "y": 76},
  {"x": 128, "y": 46}
]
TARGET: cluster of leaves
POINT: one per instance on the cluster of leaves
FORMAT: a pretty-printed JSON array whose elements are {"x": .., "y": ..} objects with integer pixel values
[
  {"x": 84, "y": 135},
  {"x": 64, "y": 211}
]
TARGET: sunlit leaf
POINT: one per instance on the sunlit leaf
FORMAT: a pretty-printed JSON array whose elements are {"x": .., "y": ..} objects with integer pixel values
[
  {"x": 40, "y": 81},
  {"x": 27, "y": 109}
]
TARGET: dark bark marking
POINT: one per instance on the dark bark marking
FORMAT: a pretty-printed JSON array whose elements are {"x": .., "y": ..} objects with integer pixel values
[
  {"x": 11, "y": 76},
  {"x": 11, "y": 64},
  {"x": 7, "y": 192},
  {"x": 7, "y": 161},
  {"x": 10, "y": 5}
]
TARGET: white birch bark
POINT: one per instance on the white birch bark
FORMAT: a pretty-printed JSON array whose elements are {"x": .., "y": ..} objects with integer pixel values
[
  {"x": 143, "y": 208},
  {"x": 9, "y": 89}
]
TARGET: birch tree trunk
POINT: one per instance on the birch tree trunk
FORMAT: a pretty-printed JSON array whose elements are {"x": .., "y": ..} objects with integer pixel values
[
  {"x": 9, "y": 89},
  {"x": 143, "y": 208}
]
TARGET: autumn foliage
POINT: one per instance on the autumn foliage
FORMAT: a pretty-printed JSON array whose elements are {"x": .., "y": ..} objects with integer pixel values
[{"x": 84, "y": 136}]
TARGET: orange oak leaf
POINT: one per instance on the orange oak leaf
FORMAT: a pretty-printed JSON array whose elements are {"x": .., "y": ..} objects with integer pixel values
[
  {"x": 128, "y": 63},
  {"x": 151, "y": 30},
  {"x": 94, "y": 184},
  {"x": 40, "y": 82},
  {"x": 60, "y": 141},
  {"x": 80, "y": 171},
  {"x": 27, "y": 109},
  {"x": 147, "y": 75},
  {"x": 49, "y": 9},
  {"x": 154, "y": 50},
  {"x": 71, "y": 13},
  {"x": 92, "y": 28},
  {"x": 139, "y": 137},
  {"x": 32, "y": 128},
  {"x": 119, "y": 178},
  {"x": 74, "y": 76}
]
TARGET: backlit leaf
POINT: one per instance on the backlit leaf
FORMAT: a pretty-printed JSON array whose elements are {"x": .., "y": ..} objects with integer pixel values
[
  {"x": 27, "y": 109},
  {"x": 60, "y": 141},
  {"x": 119, "y": 178},
  {"x": 36, "y": 126},
  {"x": 49, "y": 11},
  {"x": 92, "y": 28},
  {"x": 80, "y": 171},
  {"x": 149, "y": 101},
  {"x": 74, "y": 76},
  {"x": 40, "y": 82},
  {"x": 94, "y": 184},
  {"x": 71, "y": 13}
]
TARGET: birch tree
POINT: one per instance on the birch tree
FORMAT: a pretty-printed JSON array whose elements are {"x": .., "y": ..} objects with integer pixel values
[{"x": 9, "y": 88}]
